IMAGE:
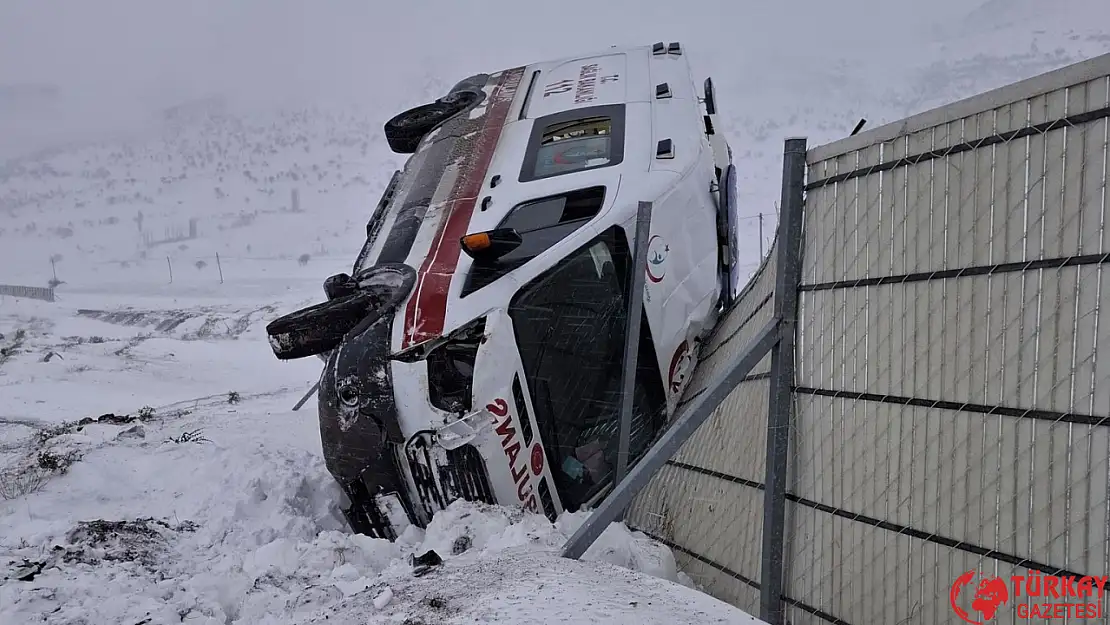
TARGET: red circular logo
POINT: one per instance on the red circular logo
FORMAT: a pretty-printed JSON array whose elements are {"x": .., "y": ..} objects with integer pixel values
[
  {"x": 672, "y": 374},
  {"x": 989, "y": 594},
  {"x": 537, "y": 459}
]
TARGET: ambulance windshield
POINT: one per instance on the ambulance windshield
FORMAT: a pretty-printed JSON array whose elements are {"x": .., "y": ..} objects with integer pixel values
[{"x": 570, "y": 330}]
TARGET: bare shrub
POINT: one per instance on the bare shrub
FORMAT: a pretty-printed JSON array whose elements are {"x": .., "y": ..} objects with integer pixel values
[
  {"x": 192, "y": 436},
  {"x": 16, "y": 483}
]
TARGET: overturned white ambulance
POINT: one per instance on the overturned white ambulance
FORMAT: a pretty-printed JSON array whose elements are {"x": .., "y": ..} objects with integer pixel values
[{"x": 475, "y": 351}]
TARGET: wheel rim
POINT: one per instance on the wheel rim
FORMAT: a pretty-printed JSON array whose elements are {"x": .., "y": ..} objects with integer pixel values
[
  {"x": 459, "y": 98},
  {"x": 420, "y": 117}
]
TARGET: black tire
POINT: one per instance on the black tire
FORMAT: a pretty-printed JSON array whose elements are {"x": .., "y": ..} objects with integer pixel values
[
  {"x": 320, "y": 328},
  {"x": 470, "y": 83},
  {"x": 726, "y": 220},
  {"x": 710, "y": 97},
  {"x": 405, "y": 131}
]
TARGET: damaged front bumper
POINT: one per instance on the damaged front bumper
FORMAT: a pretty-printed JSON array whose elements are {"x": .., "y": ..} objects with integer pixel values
[
  {"x": 392, "y": 476},
  {"x": 393, "y": 479}
]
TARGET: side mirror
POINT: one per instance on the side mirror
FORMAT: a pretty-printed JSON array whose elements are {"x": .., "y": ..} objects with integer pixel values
[
  {"x": 490, "y": 245},
  {"x": 339, "y": 285}
]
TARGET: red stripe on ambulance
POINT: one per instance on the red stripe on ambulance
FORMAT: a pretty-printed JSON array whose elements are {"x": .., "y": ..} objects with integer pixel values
[{"x": 427, "y": 308}]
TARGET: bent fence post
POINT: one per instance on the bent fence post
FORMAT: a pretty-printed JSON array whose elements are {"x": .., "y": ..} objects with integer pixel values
[
  {"x": 309, "y": 394},
  {"x": 780, "y": 402},
  {"x": 315, "y": 387},
  {"x": 695, "y": 414},
  {"x": 632, "y": 338}
]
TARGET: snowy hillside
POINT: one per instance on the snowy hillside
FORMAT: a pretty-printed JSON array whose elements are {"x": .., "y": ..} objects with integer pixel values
[
  {"x": 187, "y": 183},
  {"x": 203, "y": 186}
]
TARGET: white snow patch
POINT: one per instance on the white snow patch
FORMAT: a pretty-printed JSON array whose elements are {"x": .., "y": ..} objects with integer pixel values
[
  {"x": 523, "y": 587},
  {"x": 383, "y": 599}
]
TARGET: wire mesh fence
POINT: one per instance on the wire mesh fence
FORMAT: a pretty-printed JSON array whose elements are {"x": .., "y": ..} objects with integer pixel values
[
  {"x": 951, "y": 411},
  {"x": 949, "y": 439},
  {"x": 45, "y": 294}
]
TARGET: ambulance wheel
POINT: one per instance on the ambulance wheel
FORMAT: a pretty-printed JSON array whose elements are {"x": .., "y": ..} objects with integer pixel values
[
  {"x": 317, "y": 329},
  {"x": 407, "y": 129},
  {"x": 728, "y": 232},
  {"x": 710, "y": 96}
]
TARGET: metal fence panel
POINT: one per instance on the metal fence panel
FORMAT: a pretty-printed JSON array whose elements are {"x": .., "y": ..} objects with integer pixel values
[
  {"x": 45, "y": 294},
  {"x": 951, "y": 411}
]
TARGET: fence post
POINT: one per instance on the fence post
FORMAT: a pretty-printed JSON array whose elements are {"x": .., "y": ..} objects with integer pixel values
[
  {"x": 309, "y": 394},
  {"x": 632, "y": 340},
  {"x": 220, "y": 267},
  {"x": 761, "y": 237},
  {"x": 170, "y": 266},
  {"x": 685, "y": 424},
  {"x": 779, "y": 413}
]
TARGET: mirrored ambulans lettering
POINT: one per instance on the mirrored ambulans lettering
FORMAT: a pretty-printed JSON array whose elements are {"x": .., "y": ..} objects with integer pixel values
[
  {"x": 561, "y": 86},
  {"x": 585, "y": 87},
  {"x": 587, "y": 83},
  {"x": 510, "y": 444}
]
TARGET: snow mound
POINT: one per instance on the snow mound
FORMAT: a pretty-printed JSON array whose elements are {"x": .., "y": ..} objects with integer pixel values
[
  {"x": 271, "y": 562},
  {"x": 217, "y": 508},
  {"x": 523, "y": 587}
]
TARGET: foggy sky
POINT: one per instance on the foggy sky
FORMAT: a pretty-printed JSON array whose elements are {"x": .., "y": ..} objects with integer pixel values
[
  {"x": 150, "y": 50},
  {"x": 117, "y": 60}
]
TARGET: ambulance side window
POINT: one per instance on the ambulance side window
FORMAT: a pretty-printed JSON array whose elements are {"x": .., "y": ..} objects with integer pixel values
[
  {"x": 574, "y": 140},
  {"x": 541, "y": 224}
]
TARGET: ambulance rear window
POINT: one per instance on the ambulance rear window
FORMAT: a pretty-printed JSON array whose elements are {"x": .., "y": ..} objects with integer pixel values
[
  {"x": 541, "y": 224},
  {"x": 574, "y": 140}
]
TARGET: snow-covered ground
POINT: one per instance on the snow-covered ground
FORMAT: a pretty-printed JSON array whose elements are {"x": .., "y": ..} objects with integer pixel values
[
  {"x": 154, "y": 472},
  {"x": 151, "y": 468}
]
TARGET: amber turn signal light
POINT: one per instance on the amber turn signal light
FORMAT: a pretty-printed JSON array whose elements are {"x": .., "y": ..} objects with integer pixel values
[
  {"x": 476, "y": 242},
  {"x": 490, "y": 245}
]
